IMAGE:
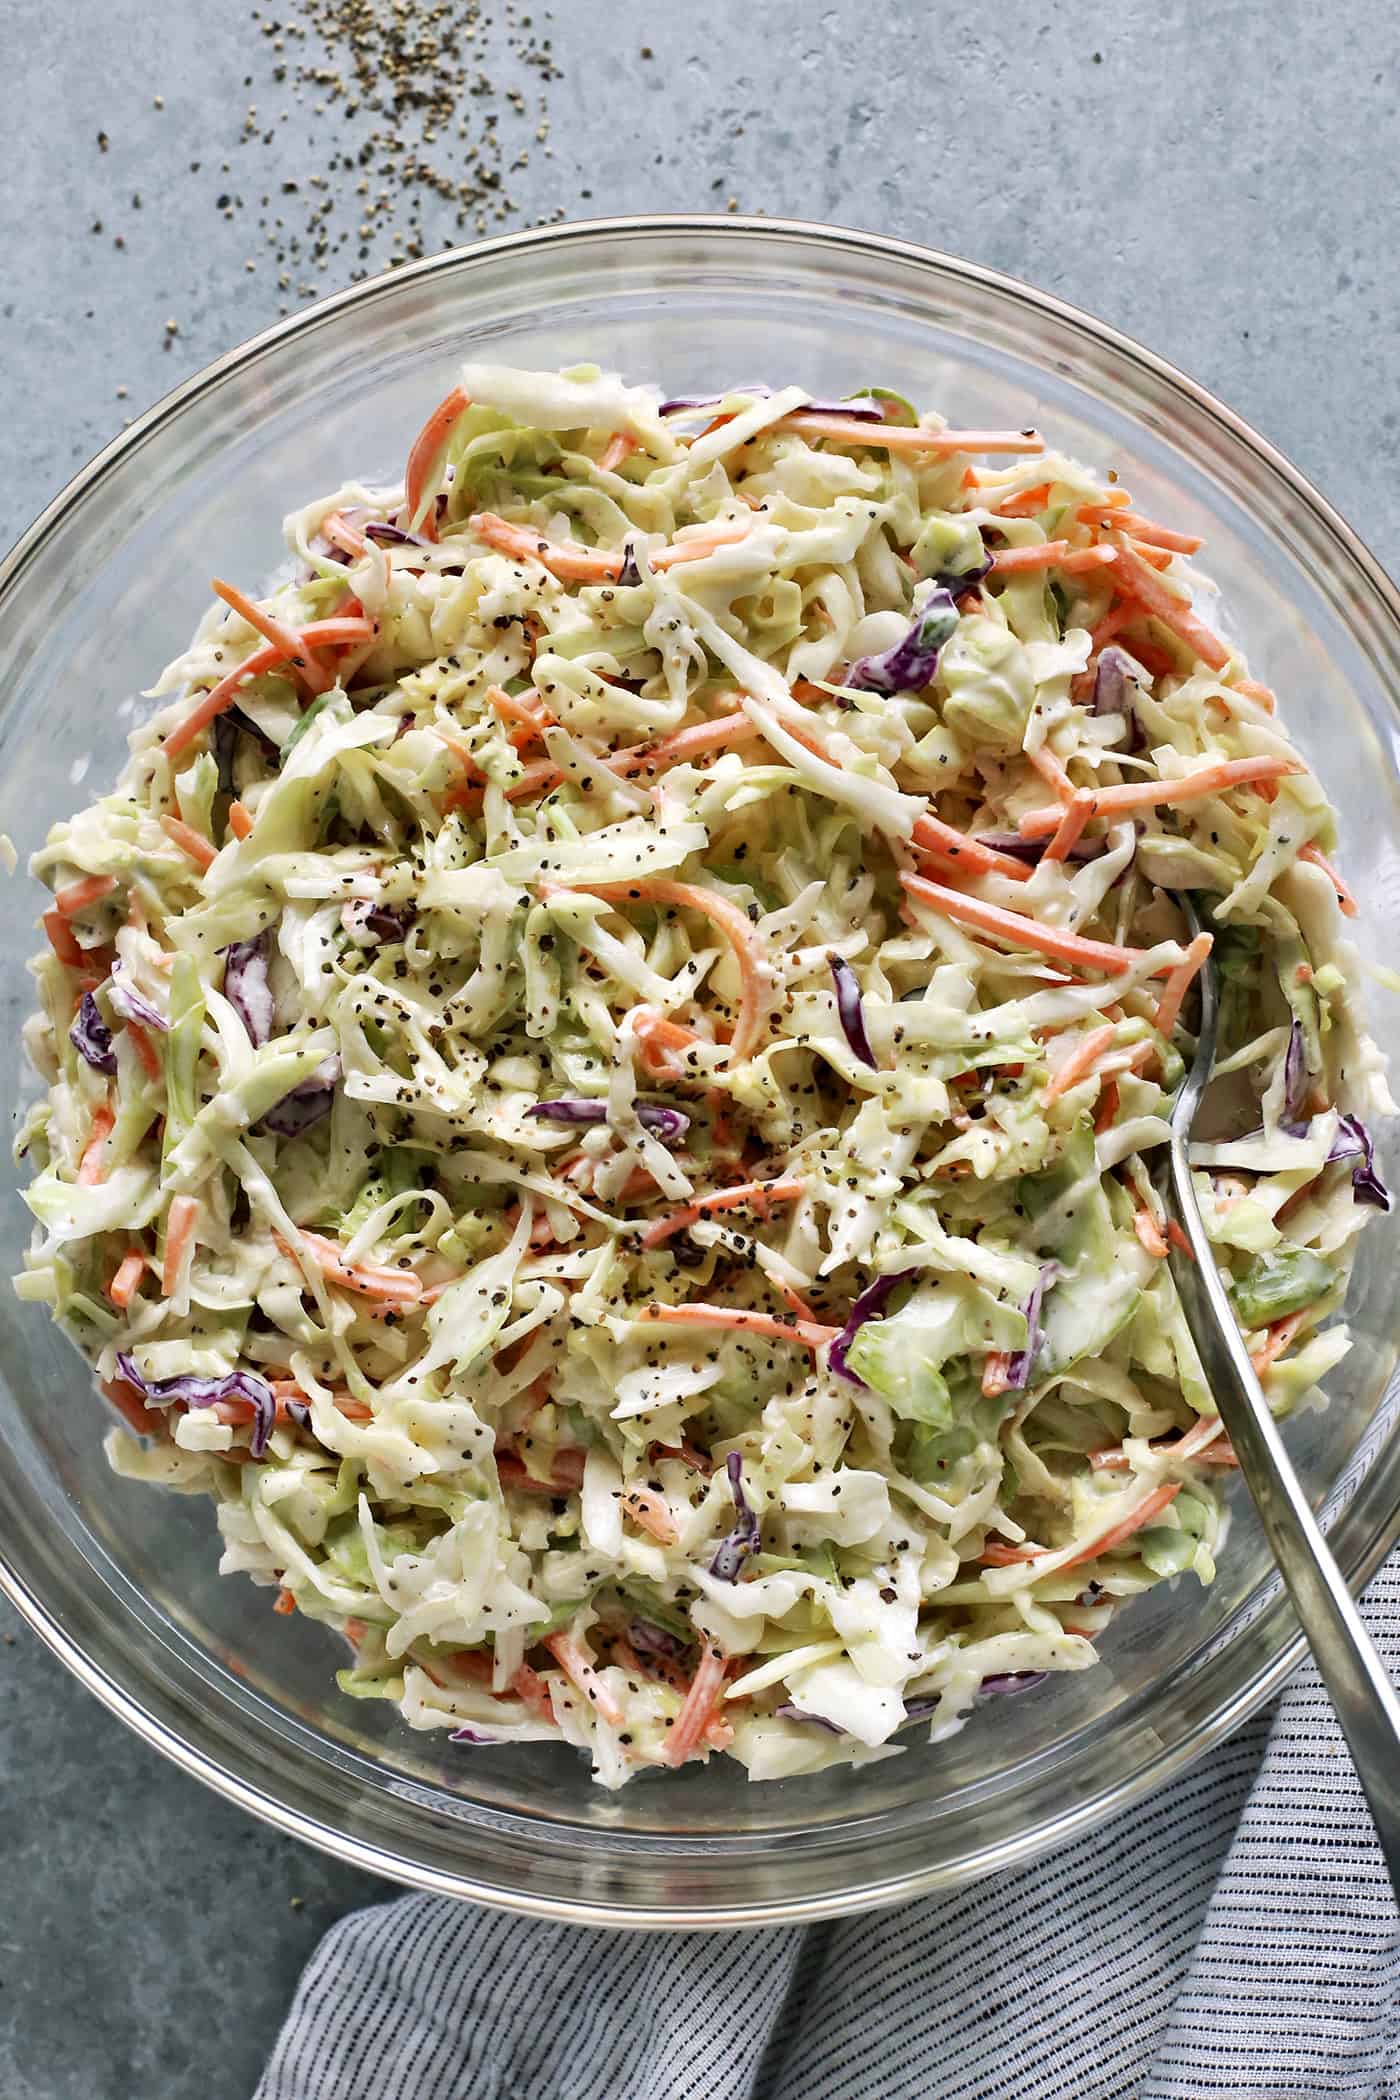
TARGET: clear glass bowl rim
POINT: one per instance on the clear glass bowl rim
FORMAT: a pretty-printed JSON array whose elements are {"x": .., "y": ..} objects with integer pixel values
[{"x": 1359, "y": 1564}]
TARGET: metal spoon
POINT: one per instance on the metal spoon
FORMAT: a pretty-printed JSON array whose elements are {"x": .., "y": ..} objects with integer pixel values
[{"x": 1365, "y": 1701}]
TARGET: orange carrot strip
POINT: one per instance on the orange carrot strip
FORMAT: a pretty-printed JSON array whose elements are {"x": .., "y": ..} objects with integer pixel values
[
  {"x": 1049, "y": 554},
  {"x": 309, "y": 669},
  {"x": 932, "y": 835},
  {"x": 189, "y": 841},
  {"x": 1051, "y": 768},
  {"x": 1080, "y": 1061},
  {"x": 391, "y": 1286},
  {"x": 61, "y": 940},
  {"x": 92, "y": 1165},
  {"x": 996, "y": 1373},
  {"x": 533, "y": 1691},
  {"x": 758, "y": 1193},
  {"x": 145, "y": 1049},
  {"x": 1152, "y": 1506},
  {"x": 240, "y": 821},
  {"x": 1138, "y": 581},
  {"x": 1150, "y": 1235},
  {"x": 700, "y": 1701},
  {"x": 341, "y": 533},
  {"x": 567, "y": 560},
  {"x": 996, "y": 1554},
  {"x": 812, "y": 1335},
  {"x": 1108, "y": 1108},
  {"x": 1153, "y": 794},
  {"x": 318, "y": 632},
  {"x": 1346, "y": 897},
  {"x": 423, "y": 457},
  {"x": 1203, "y": 1443},
  {"x": 1022, "y": 932},
  {"x": 130, "y": 1269},
  {"x": 899, "y": 437},
  {"x": 653, "y": 1513},
  {"x": 1024, "y": 503},
  {"x": 284, "y": 1603},
  {"x": 684, "y": 744},
  {"x": 179, "y": 1234},
  {"x": 1253, "y": 690},
  {"x": 689, "y": 896},
  {"x": 1276, "y": 1340},
  {"x": 1179, "y": 981},
  {"x": 721, "y": 534},
  {"x": 618, "y": 448},
  {"x": 1076, "y": 814},
  {"x": 1139, "y": 528},
  {"x": 77, "y": 896},
  {"x": 578, "y": 1668}
]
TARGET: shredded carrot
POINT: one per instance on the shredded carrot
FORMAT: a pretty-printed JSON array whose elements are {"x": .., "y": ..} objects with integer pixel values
[
  {"x": 308, "y": 668},
  {"x": 341, "y": 533},
  {"x": 931, "y": 835},
  {"x": 77, "y": 896},
  {"x": 1346, "y": 897},
  {"x": 653, "y": 1513},
  {"x": 578, "y": 1668},
  {"x": 811, "y": 1335},
  {"x": 1024, "y": 503},
  {"x": 1139, "y": 528},
  {"x": 724, "y": 533},
  {"x": 619, "y": 447},
  {"x": 1253, "y": 690},
  {"x": 689, "y": 896},
  {"x": 423, "y": 458},
  {"x": 699, "y": 1704},
  {"x": 1068, "y": 832},
  {"x": 533, "y": 1691},
  {"x": 1049, "y": 554},
  {"x": 146, "y": 1421},
  {"x": 92, "y": 1165},
  {"x": 391, "y": 1286},
  {"x": 1150, "y": 1234},
  {"x": 684, "y": 744},
  {"x": 996, "y": 1554},
  {"x": 1152, "y": 1506},
  {"x": 327, "y": 633},
  {"x": 123, "y": 1286},
  {"x": 61, "y": 940},
  {"x": 1277, "y": 1339},
  {"x": 531, "y": 721},
  {"x": 189, "y": 842},
  {"x": 285, "y": 1603},
  {"x": 1138, "y": 581},
  {"x": 1080, "y": 1062},
  {"x": 240, "y": 821},
  {"x": 1214, "y": 779},
  {"x": 1179, "y": 1240},
  {"x": 1051, "y": 768},
  {"x": 656, "y": 1034},
  {"x": 758, "y": 1193},
  {"x": 1021, "y": 932},
  {"x": 567, "y": 560},
  {"x": 145, "y": 1049},
  {"x": 179, "y": 1237},
  {"x": 1179, "y": 982},
  {"x": 996, "y": 1373},
  {"x": 1108, "y": 1108},
  {"x": 901, "y": 437},
  {"x": 797, "y": 1302}
]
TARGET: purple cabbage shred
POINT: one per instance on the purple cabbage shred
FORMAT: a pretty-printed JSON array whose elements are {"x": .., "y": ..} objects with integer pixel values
[
  {"x": 248, "y": 988},
  {"x": 394, "y": 536},
  {"x": 1354, "y": 1141},
  {"x": 1011, "y": 1681},
  {"x": 223, "y": 741},
  {"x": 849, "y": 1009},
  {"x": 477, "y": 1737},
  {"x": 868, "y": 1306},
  {"x": 668, "y": 1123},
  {"x": 190, "y": 1391},
  {"x": 91, "y": 1037},
  {"x": 1032, "y": 851},
  {"x": 650, "y": 1639},
  {"x": 735, "y": 1548},
  {"x": 306, "y": 1104},
  {"x": 910, "y": 665},
  {"x": 1018, "y": 1370},
  {"x": 788, "y": 1712},
  {"x": 1295, "y": 1075},
  {"x": 131, "y": 1004}
]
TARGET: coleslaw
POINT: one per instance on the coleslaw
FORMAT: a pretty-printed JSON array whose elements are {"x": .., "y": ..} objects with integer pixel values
[{"x": 603, "y": 1058}]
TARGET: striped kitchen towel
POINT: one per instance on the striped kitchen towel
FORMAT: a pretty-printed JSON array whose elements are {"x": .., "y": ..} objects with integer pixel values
[{"x": 1236, "y": 1936}]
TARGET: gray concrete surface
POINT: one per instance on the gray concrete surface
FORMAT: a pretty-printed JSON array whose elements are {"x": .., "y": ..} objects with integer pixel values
[{"x": 1218, "y": 181}]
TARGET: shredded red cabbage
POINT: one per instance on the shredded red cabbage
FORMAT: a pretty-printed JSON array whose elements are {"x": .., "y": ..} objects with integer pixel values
[
  {"x": 1354, "y": 1141},
  {"x": 868, "y": 1306},
  {"x": 1295, "y": 1075},
  {"x": 247, "y": 987},
  {"x": 668, "y": 1123},
  {"x": 862, "y": 408},
  {"x": 788, "y": 1712},
  {"x": 224, "y": 733},
  {"x": 387, "y": 922},
  {"x": 190, "y": 1391},
  {"x": 1018, "y": 1370},
  {"x": 629, "y": 573},
  {"x": 306, "y": 1104},
  {"x": 477, "y": 1737},
  {"x": 394, "y": 536},
  {"x": 849, "y": 1010},
  {"x": 131, "y": 1004},
  {"x": 650, "y": 1639},
  {"x": 1032, "y": 851},
  {"x": 910, "y": 664},
  {"x": 1011, "y": 1681},
  {"x": 91, "y": 1037},
  {"x": 737, "y": 1545}
]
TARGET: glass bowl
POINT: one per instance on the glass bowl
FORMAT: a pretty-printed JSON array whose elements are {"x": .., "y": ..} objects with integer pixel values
[{"x": 120, "y": 1579}]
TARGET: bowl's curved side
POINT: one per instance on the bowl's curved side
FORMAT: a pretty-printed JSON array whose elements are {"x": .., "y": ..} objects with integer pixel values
[{"x": 122, "y": 1586}]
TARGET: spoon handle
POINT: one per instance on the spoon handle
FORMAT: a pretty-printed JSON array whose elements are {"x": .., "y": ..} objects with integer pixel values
[{"x": 1364, "y": 1698}]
